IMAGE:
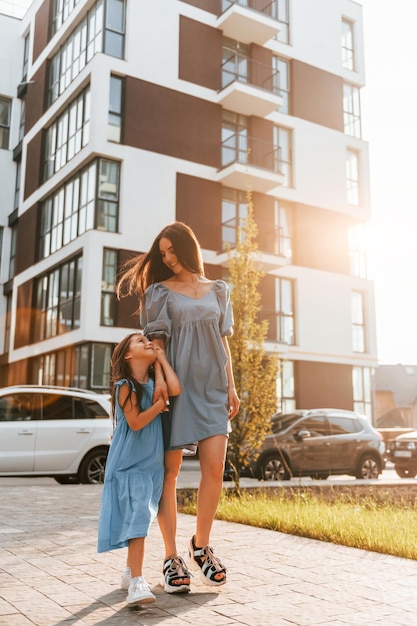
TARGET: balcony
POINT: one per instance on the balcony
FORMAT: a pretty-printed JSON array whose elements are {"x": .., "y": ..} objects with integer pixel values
[
  {"x": 250, "y": 162},
  {"x": 249, "y": 87},
  {"x": 249, "y": 21},
  {"x": 274, "y": 247}
]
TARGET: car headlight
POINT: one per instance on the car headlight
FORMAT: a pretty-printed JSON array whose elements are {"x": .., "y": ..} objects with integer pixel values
[{"x": 411, "y": 445}]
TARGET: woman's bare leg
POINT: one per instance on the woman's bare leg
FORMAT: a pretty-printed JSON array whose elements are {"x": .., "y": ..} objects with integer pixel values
[
  {"x": 167, "y": 513},
  {"x": 212, "y": 452}
]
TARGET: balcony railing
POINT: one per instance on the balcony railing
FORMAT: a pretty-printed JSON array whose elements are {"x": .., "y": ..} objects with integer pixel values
[
  {"x": 251, "y": 151},
  {"x": 239, "y": 67},
  {"x": 266, "y": 7},
  {"x": 271, "y": 239}
]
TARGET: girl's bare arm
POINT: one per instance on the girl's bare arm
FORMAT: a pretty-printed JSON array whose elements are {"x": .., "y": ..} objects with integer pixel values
[
  {"x": 171, "y": 379},
  {"x": 135, "y": 418}
]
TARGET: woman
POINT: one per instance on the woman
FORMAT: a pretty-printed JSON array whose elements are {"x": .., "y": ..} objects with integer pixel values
[{"x": 190, "y": 317}]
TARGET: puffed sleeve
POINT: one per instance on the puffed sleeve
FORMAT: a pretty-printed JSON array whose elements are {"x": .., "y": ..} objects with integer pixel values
[
  {"x": 226, "y": 313},
  {"x": 154, "y": 316}
]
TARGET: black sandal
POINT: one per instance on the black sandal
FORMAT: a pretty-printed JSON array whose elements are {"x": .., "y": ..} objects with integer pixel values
[
  {"x": 175, "y": 569},
  {"x": 208, "y": 564}
]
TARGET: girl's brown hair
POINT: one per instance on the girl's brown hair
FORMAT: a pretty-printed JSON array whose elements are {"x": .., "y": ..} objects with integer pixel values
[
  {"x": 120, "y": 368},
  {"x": 146, "y": 269}
]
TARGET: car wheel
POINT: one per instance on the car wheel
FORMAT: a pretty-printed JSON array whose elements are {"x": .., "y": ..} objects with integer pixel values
[
  {"x": 92, "y": 467},
  {"x": 67, "y": 480},
  {"x": 368, "y": 467},
  {"x": 406, "y": 472},
  {"x": 273, "y": 467}
]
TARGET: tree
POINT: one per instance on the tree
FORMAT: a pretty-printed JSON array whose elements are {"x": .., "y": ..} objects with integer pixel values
[{"x": 255, "y": 372}]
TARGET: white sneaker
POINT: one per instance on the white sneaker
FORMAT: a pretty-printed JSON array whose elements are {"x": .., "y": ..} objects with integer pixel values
[
  {"x": 139, "y": 592},
  {"x": 125, "y": 578}
]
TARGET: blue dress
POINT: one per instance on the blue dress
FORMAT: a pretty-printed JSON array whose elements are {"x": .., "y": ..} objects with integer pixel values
[
  {"x": 193, "y": 330},
  {"x": 133, "y": 478}
]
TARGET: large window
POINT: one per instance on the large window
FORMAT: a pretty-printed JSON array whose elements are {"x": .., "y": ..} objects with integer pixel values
[
  {"x": 102, "y": 30},
  {"x": 68, "y": 135},
  {"x": 89, "y": 200},
  {"x": 57, "y": 300},
  {"x": 352, "y": 177},
  {"x": 108, "y": 297},
  {"x": 284, "y": 310},
  {"x": 234, "y": 214},
  {"x": 13, "y": 250},
  {"x": 358, "y": 249},
  {"x": 61, "y": 11},
  {"x": 25, "y": 59},
  {"x": 348, "y": 51},
  {"x": 86, "y": 366},
  {"x": 281, "y": 76},
  {"x": 286, "y": 387},
  {"x": 358, "y": 322},
  {"x": 283, "y": 146},
  {"x": 352, "y": 110},
  {"x": 115, "y": 109},
  {"x": 5, "y": 112},
  {"x": 234, "y": 138},
  {"x": 17, "y": 184},
  {"x": 362, "y": 391},
  {"x": 282, "y": 240}
]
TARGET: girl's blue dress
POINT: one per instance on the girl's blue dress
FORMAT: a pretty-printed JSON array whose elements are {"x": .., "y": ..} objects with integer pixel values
[{"x": 133, "y": 478}]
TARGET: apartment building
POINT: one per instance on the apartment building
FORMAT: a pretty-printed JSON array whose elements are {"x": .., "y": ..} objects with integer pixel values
[{"x": 120, "y": 116}]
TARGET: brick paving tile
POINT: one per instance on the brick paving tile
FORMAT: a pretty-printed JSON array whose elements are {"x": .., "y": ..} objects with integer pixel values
[{"x": 51, "y": 574}]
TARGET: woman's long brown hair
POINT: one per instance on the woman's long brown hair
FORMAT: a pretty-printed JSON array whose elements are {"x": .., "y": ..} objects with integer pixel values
[{"x": 146, "y": 269}]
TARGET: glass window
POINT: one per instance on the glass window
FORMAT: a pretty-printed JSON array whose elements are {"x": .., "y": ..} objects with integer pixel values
[
  {"x": 25, "y": 59},
  {"x": 56, "y": 407},
  {"x": 100, "y": 365},
  {"x": 68, "y": 135},
  {"x": 352, "y": 177},
  {"x": 7, "y": 325},
  {"x": 283, "y": 153},
  {"x": 234, "y": 214},
  {"x": 13, "y": 250},
  {"x": 5, "y": 112},
  {"x": 115, "y": 28},
  {"x": 17, "y": 407},
  {"x": 348, "y": 52},
  {"x": 235, "y": 62},
  {"x": 286, "y": 387},
  {"x": 281, "y": 79},
  {"x": 57, "y": 300},
  {"x": 283, "y": 16},
  {"x": 108, "y": 298},
  {"x": 358, "y": 236},
  {"x": 115, "y": 109},
  {"x": 284, "y": 310},
  {"x": 17, "y": 184},
  {"x": 89, "y": 200},
  {"x": 362, "y": 391},
  {"x": 282, "y": 233},
  {"x": 343, "y": 425},
  {"x": 22, "y": 120},
  {"x": 317, "y": 426},
  {"x": 91, "y": 36},
  {"x": 358, "y": 322},
  {"x": 61, "y": 11},
  {"x": 234, "y": 138},
  {"x": 352, "y": 110}
]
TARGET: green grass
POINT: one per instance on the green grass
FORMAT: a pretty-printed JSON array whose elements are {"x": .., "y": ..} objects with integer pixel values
[{"x": 379, "y": 523}]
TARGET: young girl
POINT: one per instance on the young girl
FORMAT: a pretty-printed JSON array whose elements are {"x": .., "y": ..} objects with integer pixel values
[{"x": 135, "y": 464}]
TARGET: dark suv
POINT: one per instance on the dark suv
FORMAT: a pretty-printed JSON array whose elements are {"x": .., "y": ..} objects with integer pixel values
[
  {"x": 403, "y": 453},
  {"x": 319, "y": 443}
]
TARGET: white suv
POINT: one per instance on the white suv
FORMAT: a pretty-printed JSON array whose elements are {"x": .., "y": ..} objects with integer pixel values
[{"x": 54, "y": 431}]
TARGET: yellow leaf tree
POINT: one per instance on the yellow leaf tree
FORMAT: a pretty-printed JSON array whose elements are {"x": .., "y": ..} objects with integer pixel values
[{"x": 255, "y": 371}]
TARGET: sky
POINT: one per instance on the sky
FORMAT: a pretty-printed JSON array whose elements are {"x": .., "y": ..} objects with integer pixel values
[{"x": 389, "y": 124}]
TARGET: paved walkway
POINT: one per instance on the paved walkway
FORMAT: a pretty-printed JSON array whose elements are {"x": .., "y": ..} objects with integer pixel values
[{"x": 51, "y": 574}]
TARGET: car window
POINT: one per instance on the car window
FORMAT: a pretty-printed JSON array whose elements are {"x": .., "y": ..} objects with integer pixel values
[
  {"x": 317, "y": 426},
  {"x": 281, "y": 423},
  {"x": 343, "y": 425},
  {"x": 94, "y": 409},
  {"x": 16, "y": 407},
  {"x": 56, "y": 407}
]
